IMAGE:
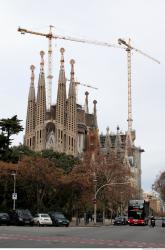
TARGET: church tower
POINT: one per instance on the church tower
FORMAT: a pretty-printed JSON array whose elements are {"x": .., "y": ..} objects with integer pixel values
[
  {"x": 108, "y": 142},
  {"x": 61, "y": 107},
  {"x": 71, "y": 121},
  {"x": 41, "y": 108},
  {"x": 118, "y": 142},
  {"x": 29, "y": 139}
]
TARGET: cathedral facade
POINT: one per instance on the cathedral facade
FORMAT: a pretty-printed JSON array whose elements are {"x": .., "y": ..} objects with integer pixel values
[
  {"x": 64, "y": 127},
  {"x": 121, "y": 144}
]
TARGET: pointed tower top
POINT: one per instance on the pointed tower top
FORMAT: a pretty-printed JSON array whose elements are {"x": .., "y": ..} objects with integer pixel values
[
  {"x": 95, "y": 115},
  {"x": 42, "y": 53},
  {"x": 86, "y": 102},
  {"x": 32, "y": 90},
  {"x": 94, "y": 108},
  {"x": 32, "y": 67},
  {"x": 72, "y": 87},
  {"x": 62, "y": 50},
  {"x": 107, "y": 130},
  {"x": 72, "y": 62},
  {"x": 118, "y": 142},
  {"x": 108, "y": 143}
]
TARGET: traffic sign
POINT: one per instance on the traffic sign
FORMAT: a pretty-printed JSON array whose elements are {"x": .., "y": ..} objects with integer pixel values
[{"x": 14, "y": 196}]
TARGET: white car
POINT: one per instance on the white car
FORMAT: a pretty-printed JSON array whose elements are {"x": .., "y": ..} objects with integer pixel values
[{"x": 42, "y": 219}]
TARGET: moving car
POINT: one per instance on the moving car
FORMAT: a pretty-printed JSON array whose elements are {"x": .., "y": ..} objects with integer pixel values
[
  {"x": 121, "y": 220},
  {"x": 21, "y": 217},
  {"x": 42, "y": 219},
  {"x": 59, "y": 219},
  {"x": 163, "y": 222},
  {"x": 4, "y": 219}
]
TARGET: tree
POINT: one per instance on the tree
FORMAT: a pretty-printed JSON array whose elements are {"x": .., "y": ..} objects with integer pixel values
[
  {"x": 8, "y": 128},
  {"x": 38, "y": 179},
  {"x": 6, "y": 184},
  {"x": 61, "y": 160},
  {"x": 159, "y": 185}
]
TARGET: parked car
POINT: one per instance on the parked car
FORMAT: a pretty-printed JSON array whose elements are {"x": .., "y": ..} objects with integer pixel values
[
  {"x": 42, "y": 219},
  {"x": 163, "y": 222},
  {"x": 21, "y": 217},
  {"x": 120, "y": 221},
  {"x": 4, "y": 218},
  {"x": 59, "y": 219}
]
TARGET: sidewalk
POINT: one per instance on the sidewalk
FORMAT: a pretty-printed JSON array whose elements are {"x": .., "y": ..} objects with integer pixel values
[{"x": 90, "y": 224}]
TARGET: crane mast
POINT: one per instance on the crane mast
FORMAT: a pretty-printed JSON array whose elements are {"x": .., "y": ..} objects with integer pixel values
[
  {"x": 128, "y": 49},
  {"x": 130, "y": 120},
  {"x": 50, "y": 76}
]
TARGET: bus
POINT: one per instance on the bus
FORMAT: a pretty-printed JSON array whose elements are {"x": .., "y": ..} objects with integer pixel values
[{"x": 138, "y": 212}]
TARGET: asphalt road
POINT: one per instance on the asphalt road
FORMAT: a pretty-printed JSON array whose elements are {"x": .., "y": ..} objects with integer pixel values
[{"x": 82, "y": 237}]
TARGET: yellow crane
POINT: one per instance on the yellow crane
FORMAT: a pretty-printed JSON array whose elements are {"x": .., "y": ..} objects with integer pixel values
[
  {"x": 128, "y": 48},
  {"x": 82, "y": 84},
  {"x": 122, "y": 45},
  {"x": 51, "y": 36}
]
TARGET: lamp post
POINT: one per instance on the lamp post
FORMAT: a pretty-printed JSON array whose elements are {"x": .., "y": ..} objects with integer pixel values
[
  {"x": 14, "y": 173},
  {"x": 14, "y": 196},
  {"x": 96, "y": 191}
]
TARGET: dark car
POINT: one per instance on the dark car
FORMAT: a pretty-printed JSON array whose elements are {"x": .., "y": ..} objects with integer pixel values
[
  {"x": 163, "y": 222},
  {"x": 4, "y": 219},
  {"x": 59, "y": 219},
  {"x": 120, "y": 221},
  {"x": 21, "y": 217}
]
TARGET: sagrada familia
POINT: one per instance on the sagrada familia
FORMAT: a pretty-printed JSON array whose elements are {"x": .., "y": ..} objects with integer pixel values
[
  {"x": 65, "y": 127},
  {"x": 68, "y": 127}
]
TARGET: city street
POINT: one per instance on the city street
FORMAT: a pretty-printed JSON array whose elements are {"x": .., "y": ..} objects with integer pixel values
[{"x": 98, "y": 236}]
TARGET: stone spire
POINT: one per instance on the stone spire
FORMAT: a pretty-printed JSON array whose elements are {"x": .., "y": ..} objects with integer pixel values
[
  {"x": 71, "y": 124},
  {"x": 30, "y": 118},
  {"x": 108, "y": 143},
  {"x": 118, "y": 142},
  {"x": 72, "y": 87},
  {"x": 128, "y": 148},
  {"x": 95, "y": 114},
  {"x": 41, "y": 107},
  {"x": 61, "y": 105},
  {"x": 86, "y": 102},
  {"x": 32, "y": 89}
]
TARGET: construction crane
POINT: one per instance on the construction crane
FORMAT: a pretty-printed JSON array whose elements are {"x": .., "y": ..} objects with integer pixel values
[
  {"x": 82, "y": 84},
  {"x": 122, "y": 45},
  {"x": 51, "y": 36},
  {"x": 128, "y": 48}
]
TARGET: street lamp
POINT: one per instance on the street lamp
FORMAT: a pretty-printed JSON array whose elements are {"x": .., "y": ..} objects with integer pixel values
[
  {"x": 95, "y": 194},
  {"x": 14, "y": 173},
  {"x": 14, "y": 195},
  {"x": 96, "y": 191}
]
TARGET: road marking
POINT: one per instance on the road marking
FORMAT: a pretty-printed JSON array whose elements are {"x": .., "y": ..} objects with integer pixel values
[{"x": 78, "y": 240}]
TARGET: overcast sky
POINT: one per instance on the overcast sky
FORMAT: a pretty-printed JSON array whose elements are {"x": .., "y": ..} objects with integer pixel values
[{"x": 103, "y": 67}]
